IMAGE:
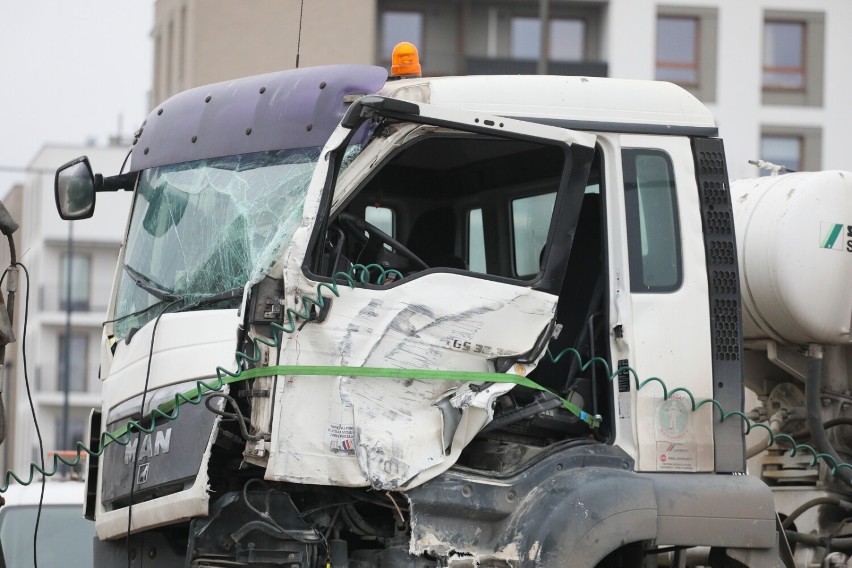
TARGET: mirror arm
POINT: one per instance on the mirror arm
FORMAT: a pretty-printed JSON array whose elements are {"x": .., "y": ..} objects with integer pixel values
[{"x": 115, "y": 183}]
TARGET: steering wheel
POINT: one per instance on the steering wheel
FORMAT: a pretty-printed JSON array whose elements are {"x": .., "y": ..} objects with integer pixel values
[{"x": 358, "y": 226}]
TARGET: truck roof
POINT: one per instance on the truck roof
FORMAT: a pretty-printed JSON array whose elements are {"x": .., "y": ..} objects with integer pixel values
[
  {"x": 301, "y": 107},
  {"x": 583, "y": 103}
]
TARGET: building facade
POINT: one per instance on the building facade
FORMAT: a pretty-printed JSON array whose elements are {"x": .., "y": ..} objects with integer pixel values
[
  {"x": 771, "y": 71},
  {"x": 71, "y": 270}
]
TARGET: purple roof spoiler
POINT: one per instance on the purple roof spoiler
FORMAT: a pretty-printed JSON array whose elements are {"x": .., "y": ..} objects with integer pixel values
[{"x": 276, "y": 111}]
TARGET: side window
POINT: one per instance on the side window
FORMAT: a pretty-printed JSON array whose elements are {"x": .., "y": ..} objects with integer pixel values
[
  {"x": 653, "y": 230},
  {"x": 381, "y": 218},
  {"x": 530, "y": 223},
  {"x": 475, "y": 242}
]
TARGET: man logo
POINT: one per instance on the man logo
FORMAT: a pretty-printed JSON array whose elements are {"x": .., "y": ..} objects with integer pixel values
[
  {"x": 142, "y": 475},
  {"x": 160, "y": 445}
]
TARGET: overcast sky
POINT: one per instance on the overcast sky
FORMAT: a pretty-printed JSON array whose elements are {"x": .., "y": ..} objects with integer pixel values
[{"x": 68, "y": 71}]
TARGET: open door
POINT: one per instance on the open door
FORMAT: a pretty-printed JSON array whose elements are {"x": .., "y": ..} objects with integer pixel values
[{"x": 456, "y": 228}]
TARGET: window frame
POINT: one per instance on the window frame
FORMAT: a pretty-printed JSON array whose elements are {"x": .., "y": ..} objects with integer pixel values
[
  {"x": 393, "y": 221},
  {"x": 567, "y": 184},
  {"x": 810, "y": 150},
  {"x": 802, "y": 69},
  {"x": 706, "y": 48},
  {"x": 420, "y": 42},
  {"x": 589, "y": 17},
  {"x": 510, "y": 199},
  {"x": 633, "y": 222},
  {"x": 813, "y": 45},
  {"x": 62, "y": 338},
  {"x": 512, "y": 20},
  {"x": 502, "y": 208},
  {"x": 800, "y": 158},
  {"x": 468, "y": 212},
  {"x": 695, "y": 65},
  {"x": 584, "y": 56},
  {"x": 66, "y": 304}
]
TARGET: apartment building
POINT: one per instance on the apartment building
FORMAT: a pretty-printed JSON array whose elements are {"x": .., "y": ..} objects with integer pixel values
[
  {"x": 71, "y": 269},
  {"x": 771, "y": 71}
]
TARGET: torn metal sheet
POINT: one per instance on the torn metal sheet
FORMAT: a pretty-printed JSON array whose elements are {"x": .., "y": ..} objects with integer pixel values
[{"x": 390, "y": 433}]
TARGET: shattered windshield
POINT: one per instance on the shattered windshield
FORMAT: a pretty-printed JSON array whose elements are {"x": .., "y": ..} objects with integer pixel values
[{"x": 204, "y": 229}]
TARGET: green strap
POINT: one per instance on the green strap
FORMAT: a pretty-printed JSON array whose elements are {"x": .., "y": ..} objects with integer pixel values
[
  {"x": 425, "y": 374},
  {"x": 375, "y": 372}
]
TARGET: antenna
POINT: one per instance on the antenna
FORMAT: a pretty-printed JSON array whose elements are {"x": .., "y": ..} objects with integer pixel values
[{"x": 299, "y": 39}]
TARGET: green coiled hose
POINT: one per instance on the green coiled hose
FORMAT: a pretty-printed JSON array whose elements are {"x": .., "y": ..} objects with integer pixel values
[{"x": 170, "y": 410}]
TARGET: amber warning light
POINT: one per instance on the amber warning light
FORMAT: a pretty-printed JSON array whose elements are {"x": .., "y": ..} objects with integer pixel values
[{"x": 405, "y": 62}]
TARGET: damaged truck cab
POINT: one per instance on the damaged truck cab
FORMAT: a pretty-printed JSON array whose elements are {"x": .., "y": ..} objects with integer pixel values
[{"x": 382, "y": 323}]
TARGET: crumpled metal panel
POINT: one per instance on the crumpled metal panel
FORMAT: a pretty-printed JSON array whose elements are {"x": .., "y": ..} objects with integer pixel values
[
  {"x": 288, "y": 109},
  {"x": 390, "y": 433}
]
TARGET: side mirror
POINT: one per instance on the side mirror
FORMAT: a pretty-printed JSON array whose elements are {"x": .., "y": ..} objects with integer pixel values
[{"x": 74, "y": 190}]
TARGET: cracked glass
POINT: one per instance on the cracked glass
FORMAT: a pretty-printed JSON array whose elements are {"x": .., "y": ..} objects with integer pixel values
[{"x": 207, "y": 228}]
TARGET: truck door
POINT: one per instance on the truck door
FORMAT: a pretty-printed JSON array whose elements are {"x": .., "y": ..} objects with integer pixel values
[
  {"x": 668, "y": 332},
  {"x": 455, "y": 228}
]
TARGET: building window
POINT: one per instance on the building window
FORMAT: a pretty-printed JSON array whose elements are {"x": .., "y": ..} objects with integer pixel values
[
  {"x": 782, "y": 151},
  {"x": 75, "y": 359},
  {"x": 170, "y": 57},
  {"x": 525, "y": 38},
  {"x": 793, "y": 53},
  {"x": 567, "y": 40},
  {"x": 398, "y": 27},
  {"x": 181, "y": 62},
  {"x": 784, "y": 55},
  {"x": 76, "y": 431},
  {"x": 677, "y": 50},
  {"x": 686, "y": 49},
  {"x": 795, "y": 148},
  {"x": 76, "y": 268}
]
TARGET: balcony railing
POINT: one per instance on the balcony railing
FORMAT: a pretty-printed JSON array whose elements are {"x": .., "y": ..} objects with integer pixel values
[
  {"x": 48, "y": 378},
  {"x": 507, "y": 66},
  {"x": 52, "y": 298}
]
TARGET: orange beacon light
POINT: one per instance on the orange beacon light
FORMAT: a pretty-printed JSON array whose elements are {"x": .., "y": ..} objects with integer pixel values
[{"x": 405, "y": 62}]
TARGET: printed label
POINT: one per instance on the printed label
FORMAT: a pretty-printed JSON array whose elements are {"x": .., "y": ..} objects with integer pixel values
[
  {"x": 835, "y": 236},
  {"x": 340, "y": 439},
  {"x": 676, "y": 457}
]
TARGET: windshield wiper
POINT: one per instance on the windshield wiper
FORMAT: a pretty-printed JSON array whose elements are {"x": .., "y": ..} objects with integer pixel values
[
  {"x": 227, "y": 295},
  {"x": 152, "y": 287}
]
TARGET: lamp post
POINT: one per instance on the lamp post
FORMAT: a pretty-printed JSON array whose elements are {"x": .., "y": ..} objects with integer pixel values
[{"x": 66, "y": 356}]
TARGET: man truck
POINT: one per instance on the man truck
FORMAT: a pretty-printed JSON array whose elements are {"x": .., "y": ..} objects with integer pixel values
[{"x": 367, "y": 321}]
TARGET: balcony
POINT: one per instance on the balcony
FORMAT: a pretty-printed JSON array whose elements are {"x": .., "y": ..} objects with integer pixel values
[
  {"x": 48, "y": 378},
  {"x": 508, "y": 66},
  {"x": 52, "y": 298}
]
